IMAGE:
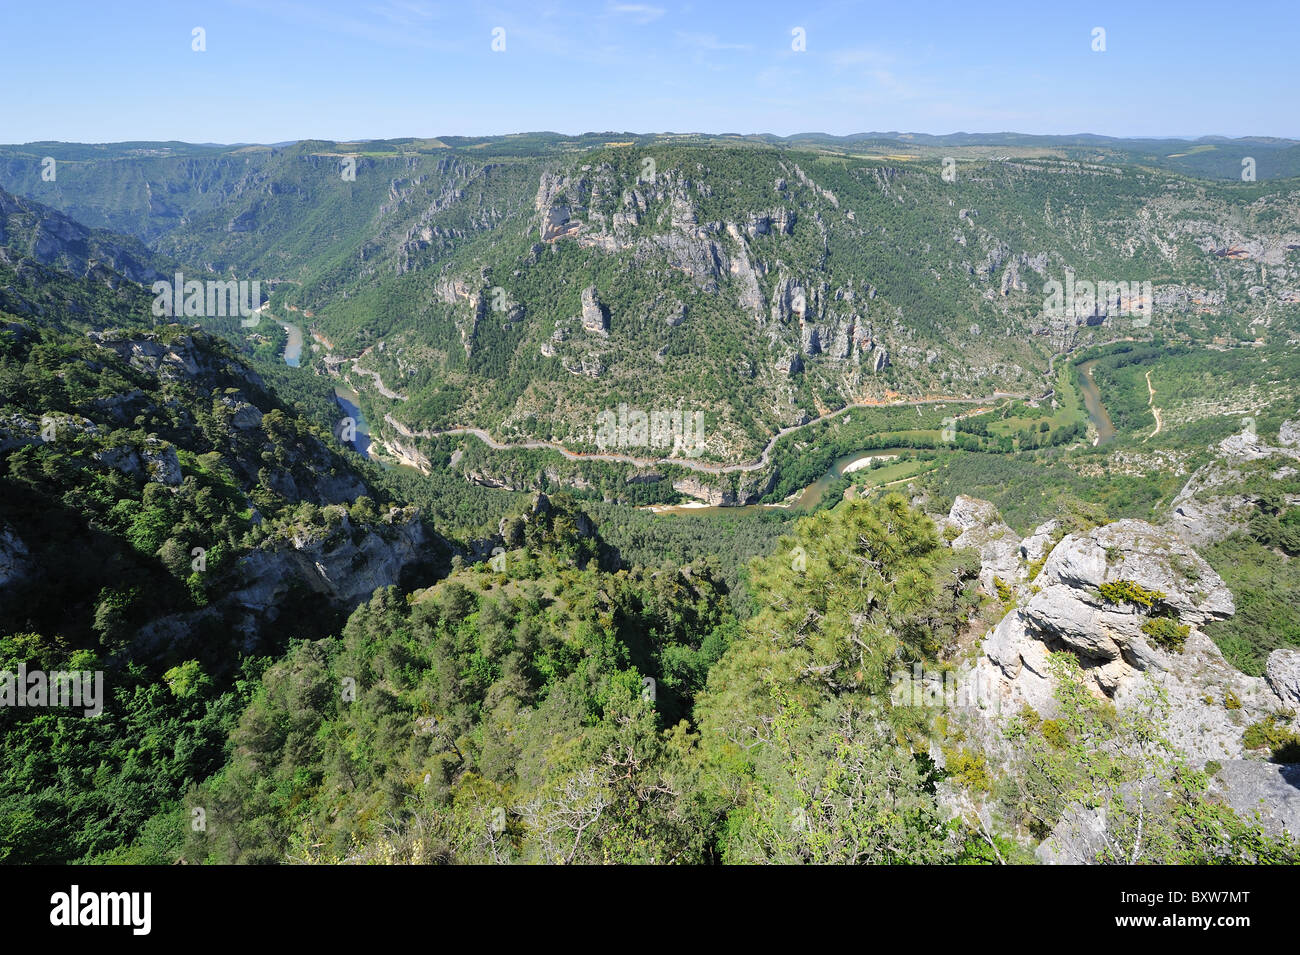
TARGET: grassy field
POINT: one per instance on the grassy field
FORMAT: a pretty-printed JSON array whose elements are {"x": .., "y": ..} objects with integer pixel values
[{"x": 1018, "y": 415}]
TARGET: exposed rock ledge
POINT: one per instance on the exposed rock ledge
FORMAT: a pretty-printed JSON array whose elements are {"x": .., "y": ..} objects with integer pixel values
[
  {"x": 1211, "y": 702},
  {"x": 325, "y": 559}
]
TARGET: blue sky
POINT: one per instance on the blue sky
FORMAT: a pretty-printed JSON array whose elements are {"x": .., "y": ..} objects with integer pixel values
[{"x": 277, "y": 70}]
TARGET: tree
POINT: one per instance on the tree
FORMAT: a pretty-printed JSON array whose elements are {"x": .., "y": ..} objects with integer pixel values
[{"x": 835, "y": 788}]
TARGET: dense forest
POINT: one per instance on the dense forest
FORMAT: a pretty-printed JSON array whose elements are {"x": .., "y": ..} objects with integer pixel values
[{"x": 443, "y": 651}]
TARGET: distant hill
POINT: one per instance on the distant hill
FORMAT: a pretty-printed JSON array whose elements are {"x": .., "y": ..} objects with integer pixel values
[{"x": 525, "y": 284}]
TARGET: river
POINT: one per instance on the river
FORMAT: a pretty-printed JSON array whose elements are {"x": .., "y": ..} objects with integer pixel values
[
  {"x": 292, "y": 350},
  {"x": 349, "y": 401},
  {"x": 1097, "y": 412},
  {"x": 810, "y": 497}
]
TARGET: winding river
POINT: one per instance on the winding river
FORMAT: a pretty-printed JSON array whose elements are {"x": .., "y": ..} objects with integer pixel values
[
  {"x": 348, "y": 400},
  {"x": 293, "y": 349},
  {"x": 810, "y": 497},
  {"x": 1097, "y": 412}
]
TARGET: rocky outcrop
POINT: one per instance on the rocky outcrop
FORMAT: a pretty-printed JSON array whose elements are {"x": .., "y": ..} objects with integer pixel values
[
  {"x": 1268, "y": 790},
  {"x": 150, "y": 354},
  {"x": 155, "y": 460},
  {"x": 1205, "y": 510},
  {"x": 1210, "y": 702},
  {"x": 51, "y": 238},
  {"x": 342, "y": 562},
  {"x": 748, "y": 489},
  {"x": 1283, "y": 675},
  {"x": 15, "y": 559},
  {"x": 1068, "y": 611},
  {"x": 982, "y": 528},
  {"x": 595, "y": 317},
  {"x": 1040, "y": 543}
]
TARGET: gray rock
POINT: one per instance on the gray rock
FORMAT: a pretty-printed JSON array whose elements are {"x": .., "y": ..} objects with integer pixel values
[
  {"x": 324, "y": 559},
  {"x": 1283, "y": 674},
  {"x": 595, "y": 317},
  {"x": 1288, "y": 435},
  {"x": 1039, "y": 543},
  {"x": 983, "y": 529},
  {"x": 122, "y": 459},
  {"x": 1263, "y": 792},
  {"x": 161, "y": 462},
  {"x": 15, "y": 559}
]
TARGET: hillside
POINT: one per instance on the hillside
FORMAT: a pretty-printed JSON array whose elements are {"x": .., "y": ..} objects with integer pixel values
[{"x": 525, "y": 285}]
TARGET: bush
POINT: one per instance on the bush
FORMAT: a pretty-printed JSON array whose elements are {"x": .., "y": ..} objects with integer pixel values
[
  {"x": 1054, "y": 733},
  {"x": 1269, "y": 733},
  {"x": 1166, "y": 632},
  {"x": 1005, "y": 593},
  {"x": 1126, "y": 591},
  {"x": 968, "y": 768}
]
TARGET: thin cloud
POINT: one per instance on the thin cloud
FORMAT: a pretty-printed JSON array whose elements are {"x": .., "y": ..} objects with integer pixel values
[
  {"x": 708, "y": 41},
  {"x": 640, "y": 13}
]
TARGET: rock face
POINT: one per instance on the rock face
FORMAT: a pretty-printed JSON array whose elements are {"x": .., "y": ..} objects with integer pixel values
[
  {"x": 52, "y": 238},
  {"x": 982, "y": 527},
  {"x": 1068, "y": 612},
  {"x": 595, "y": 317},
  {"x": 342, "y": 566},
  {"x": 1283, "y": 675},
  {"x": 167, "y": 360},
  {"x": 1204, "y": 511},
  {"x": 1256, "y": 791},
  {"x": 748, "y": 490},
  {"x": 15, "y": 562},
  {"x": 1249, "y": 786},
  {"x": 1038, "y": 544},
  {"x": 1210, "y": 702}
]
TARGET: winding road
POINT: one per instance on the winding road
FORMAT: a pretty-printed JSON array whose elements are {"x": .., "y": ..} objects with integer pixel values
[{"x": 762, "y": 462}]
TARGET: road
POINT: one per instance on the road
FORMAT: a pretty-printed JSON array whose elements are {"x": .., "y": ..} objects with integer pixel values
[{"x": 762, "y": 462}]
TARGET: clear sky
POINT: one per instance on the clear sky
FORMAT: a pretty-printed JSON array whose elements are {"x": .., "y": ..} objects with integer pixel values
[{"x": 277, "y": 70}]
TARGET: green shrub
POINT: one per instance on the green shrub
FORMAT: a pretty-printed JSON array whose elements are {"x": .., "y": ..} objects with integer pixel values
[
  {"x": 1029, "y": 716},
  {"x": 1054, "y": 733},
  {"x": 968, "y": 768},
  {"x": 1005, "y": 593},
  {"x": 1126, "y": 591},
  {"x": 1282, "y": 742},
  {"x": 1166, "y": 632}
]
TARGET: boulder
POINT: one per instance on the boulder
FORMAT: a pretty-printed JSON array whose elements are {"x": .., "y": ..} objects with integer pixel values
[
  {"x": 1038, "y": 544},
  {"x": 1267, "y": 789},
  {"x": 1283, "y": 674},
  {"x": 15, "y": 561}
]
